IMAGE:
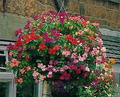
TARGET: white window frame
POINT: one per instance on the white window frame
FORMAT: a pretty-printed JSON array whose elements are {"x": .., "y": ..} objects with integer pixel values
[{"x": 7, "y": 76}]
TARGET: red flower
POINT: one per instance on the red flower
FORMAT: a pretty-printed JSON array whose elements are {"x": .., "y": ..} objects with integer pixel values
[
  {"x": 65, "y": 75},
  {"x": 27, "y": 57},
  {"x": 42, "y": 46},
  {"x": 56, "y": 47},
  {"x": 18, "y": 43},
  {"x": 52, "y": 51},
  {"x": 74, "y": 42},
  {"x": 78, "y": 71},
  {"x": 32, "y": 36}
]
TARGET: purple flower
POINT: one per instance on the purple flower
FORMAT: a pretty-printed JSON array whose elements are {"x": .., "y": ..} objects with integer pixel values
[
  {"x": 55, "y": 62},
  {"x": 83, "y": 67},
  {"x": 9, "y": 47},
  {"x": 50, "y": 68},
  {"x": 36, "y": 17},
  {"x": 18, "y": 31},
  {"x": 48, "y": 39},
  {"x": 95, "y": 82},
  {"x": 62, "y": 17},
  {"x": 86, "y": 74},
  {"x": 51, "y": 62}
]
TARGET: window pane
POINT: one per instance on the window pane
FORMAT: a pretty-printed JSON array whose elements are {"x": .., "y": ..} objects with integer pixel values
[
  {"x": 2, "y": 61},
  {"x": 1, "y": 52},
  {"x": 3, "y": 89}
]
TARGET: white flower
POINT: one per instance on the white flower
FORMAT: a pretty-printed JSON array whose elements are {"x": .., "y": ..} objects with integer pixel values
[{"x": 87, "y": 69}]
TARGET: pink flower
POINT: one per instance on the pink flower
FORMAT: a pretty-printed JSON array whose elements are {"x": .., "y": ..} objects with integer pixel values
[
  {"x": 99, "y": 40},
  {"x": 87, "y": 49},
  {"x": 49, "y": 75},
  {"x": 40, "y": 65},
  {"x": 66, "y": 53},
  {"x": 11, "y": 53},
  {"x": 75, "y": 61},
  {"x": 103, "y": 49},
  {"x": 20, "y": 80},
  {"x": 104, "y": 55},
  {"x": 85, "y": 55},
  {"x": 80, "y": 58},
  {"x": 95, "y": 24},
  {"x": 42, "y": 77},
  {"x": 35, "y": 74},
  {"x": 22, "y": 71},
  {"x": 62, "y": 69},
  {"x": 28, "y": 68},
  {"x": 95, "y": 51},
  {"x": 74, "y": 55},
  {"x": 99, "y": 59}
]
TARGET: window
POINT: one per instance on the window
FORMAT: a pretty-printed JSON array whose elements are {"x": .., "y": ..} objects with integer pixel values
[{"x": 6, "y": 78}]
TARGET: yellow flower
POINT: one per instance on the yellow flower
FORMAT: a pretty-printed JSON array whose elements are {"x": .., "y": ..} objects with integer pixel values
[
  {"x": 76, "y": 33},
  {"x": 71, "y": 27},
  {"x": 105, "y": 63},
  {"x": 111, "y": 60}
]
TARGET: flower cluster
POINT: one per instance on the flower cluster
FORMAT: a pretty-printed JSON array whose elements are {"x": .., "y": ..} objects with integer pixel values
[{"x": 57, "y": 46}]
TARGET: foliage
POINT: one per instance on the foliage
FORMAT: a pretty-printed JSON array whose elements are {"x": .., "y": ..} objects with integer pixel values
[{"x": 63, "y": 47}]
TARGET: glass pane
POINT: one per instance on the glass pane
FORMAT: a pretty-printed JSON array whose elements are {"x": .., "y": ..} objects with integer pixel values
[
  {"x": 2, "y": 61},
  {"x": 25, "y": 91},
  {"x": 3, "y": 89},
  {"x": 1, "y": 52}
]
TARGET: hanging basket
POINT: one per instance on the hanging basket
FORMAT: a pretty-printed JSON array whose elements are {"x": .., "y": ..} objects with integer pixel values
[{"x": 57, "y": 46}]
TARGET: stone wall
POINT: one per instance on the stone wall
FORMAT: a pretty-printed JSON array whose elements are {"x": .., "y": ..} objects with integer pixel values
[{"x": 102, "y": 11}]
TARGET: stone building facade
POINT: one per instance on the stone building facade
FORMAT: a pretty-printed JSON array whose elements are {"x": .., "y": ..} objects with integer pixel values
[{"x": 105, "y": 12}]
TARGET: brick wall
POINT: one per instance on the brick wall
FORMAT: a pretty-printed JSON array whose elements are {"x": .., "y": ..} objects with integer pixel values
[{"x": 102, "y": 11}]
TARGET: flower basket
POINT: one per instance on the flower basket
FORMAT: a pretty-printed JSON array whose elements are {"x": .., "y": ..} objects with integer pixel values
[{"x": 57, "y": 46}]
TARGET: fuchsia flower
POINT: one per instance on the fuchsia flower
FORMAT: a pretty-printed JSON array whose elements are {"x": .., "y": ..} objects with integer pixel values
[{"x": 66, "y": 53}]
